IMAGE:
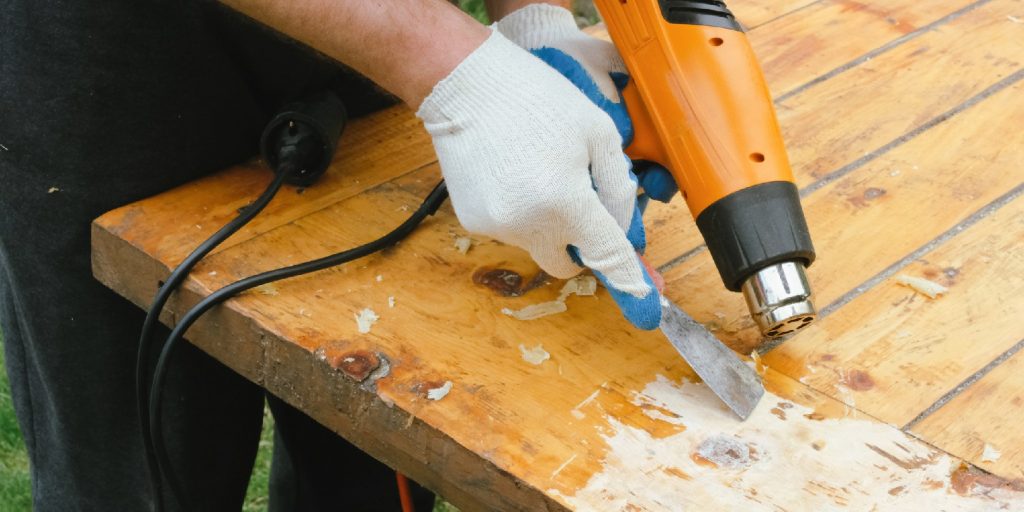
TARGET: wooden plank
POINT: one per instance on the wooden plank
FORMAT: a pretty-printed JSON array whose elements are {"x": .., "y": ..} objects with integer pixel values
[
  {"x": 924, "y": 178},
  {"x": 831, "y": 33},
  {"x": 926, "y": 78},
  {"x": 986, "y": 413},
  {"x": 754, "y": 13},
  {"x": 893, "y": 352},
  {"x": 900, "y": 90},
  {"x": 511, "y": 435}
]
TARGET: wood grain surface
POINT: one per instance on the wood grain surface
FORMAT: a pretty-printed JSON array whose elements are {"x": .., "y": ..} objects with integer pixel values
[{"x": 903, "y": 124}]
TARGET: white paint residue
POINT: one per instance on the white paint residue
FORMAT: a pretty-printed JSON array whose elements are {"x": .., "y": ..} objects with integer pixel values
[
  {"x": 990, "y": 454},
  {"x": 365, "y": 319},
  {"x": 584, "y": 286},
  {"x": 535, "y": 356},
  {"x": 463, "y": 244},
  {"x": 535, "y": 311},
  {"x": 922, "y": 286},
  {"x": 379, "y": 278},
  {"x": 766, "y": 464},
  {"x": 440, "y": 392},
  {"x": 391, "y": 302},
  {"x": 564, "y": 464},
  {"x": 267, "y": 289},
  {"x": 579, "y": 285}
]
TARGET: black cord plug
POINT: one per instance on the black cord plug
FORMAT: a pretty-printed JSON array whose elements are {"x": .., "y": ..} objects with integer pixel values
[{"x": 305, "y": 133}]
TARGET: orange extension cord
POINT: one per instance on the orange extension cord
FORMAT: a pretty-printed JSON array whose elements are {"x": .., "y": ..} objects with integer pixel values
[{"x": 403, "y": 493}]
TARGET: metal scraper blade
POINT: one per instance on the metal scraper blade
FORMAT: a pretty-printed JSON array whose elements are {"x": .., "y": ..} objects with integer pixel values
[{"x": 731, "y": 379}]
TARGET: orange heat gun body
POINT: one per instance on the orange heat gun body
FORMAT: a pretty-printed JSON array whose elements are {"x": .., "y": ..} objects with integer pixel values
[{"x": 701, "y": 108}]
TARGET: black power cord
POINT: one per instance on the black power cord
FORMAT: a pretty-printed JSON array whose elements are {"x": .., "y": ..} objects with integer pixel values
[
  {"x": 298, "y": 143},
  {"x": 168, "y": 287},
  {"x": 427, "y": 208}
]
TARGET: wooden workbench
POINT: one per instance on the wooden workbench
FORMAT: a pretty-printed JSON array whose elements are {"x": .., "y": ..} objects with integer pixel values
[{"x": 905, "y": 125}]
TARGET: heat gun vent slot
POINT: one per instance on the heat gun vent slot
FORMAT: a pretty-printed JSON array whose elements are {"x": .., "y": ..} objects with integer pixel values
[{"x": 699, "y": 12}]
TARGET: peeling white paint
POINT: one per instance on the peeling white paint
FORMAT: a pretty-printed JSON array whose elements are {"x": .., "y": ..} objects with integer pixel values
[
  {"x": 463, "y": 244},
  {"x": 440, "y": 392},
  {"x": 795, "y": 463},
  {"x": 930, "y": 289},
  {"x": 365, "y": 319},
  {"x": 990, "y": 454},
  {"x": 536, "y": 355},
  {"x": 535, "y": 311}
]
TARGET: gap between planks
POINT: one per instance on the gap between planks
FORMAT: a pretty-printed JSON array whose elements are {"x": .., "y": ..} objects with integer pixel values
[
  {"x": 878, "y": 51},
  {"x": 960, "y": 388}
]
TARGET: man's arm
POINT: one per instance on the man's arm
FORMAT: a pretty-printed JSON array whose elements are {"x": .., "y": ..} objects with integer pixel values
[{"x": 405, "y": 46}]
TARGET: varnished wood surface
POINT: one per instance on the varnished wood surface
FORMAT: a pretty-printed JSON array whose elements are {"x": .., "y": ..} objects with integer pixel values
[{"x": 902, "y": 121}]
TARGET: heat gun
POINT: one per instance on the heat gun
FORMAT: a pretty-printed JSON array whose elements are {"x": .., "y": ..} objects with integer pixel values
[{"x": 700, "y": 107}]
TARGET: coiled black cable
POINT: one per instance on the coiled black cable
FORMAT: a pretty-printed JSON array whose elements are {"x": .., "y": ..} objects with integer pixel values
[{"x": 429, "y": 206}]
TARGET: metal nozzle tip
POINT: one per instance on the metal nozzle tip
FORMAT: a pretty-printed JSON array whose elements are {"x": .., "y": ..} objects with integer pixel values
[{"x": 779, "y": 299}]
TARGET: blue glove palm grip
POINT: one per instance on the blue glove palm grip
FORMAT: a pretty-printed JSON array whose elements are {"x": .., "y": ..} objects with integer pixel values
[{"x": 643, "y": 312}]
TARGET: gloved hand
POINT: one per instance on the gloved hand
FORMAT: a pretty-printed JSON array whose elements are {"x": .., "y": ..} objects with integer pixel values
[
  {"x": 594, "y": 66},
  {"x": 531, "y": 162}
]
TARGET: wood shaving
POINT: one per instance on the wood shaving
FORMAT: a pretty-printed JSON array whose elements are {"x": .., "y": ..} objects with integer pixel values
[
  {"x": 535, "y": 356},
  {"x": 365, "y": 319},
  {"x": 990, "y": 454},
  {"x": 463, "y": 244},
  {"x": 579, "y": 285},
  {"x": 584, "y": 286},
  {"x": 267, "y": 289},
  {"x": 535, "y": 311},
  {"x": 440, "y": 392},
  {"x": 925, "y": 287},
  {"x": 1015, "y": 19}
]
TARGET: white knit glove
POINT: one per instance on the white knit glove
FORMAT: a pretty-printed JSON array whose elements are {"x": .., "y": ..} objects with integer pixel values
[
  {"x": 522, "y": 151},
  {"x": 547, "y": 26}
]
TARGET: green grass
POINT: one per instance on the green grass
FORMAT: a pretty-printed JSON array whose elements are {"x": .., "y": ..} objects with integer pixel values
[
  {"x": 15, "y": 491},
  {"x": 476, "y": 9},
  {"x": 257, "y": 493}
]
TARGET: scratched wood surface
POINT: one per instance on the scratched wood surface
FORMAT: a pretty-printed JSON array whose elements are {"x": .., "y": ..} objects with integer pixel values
[{"x": 902, "y": 119}]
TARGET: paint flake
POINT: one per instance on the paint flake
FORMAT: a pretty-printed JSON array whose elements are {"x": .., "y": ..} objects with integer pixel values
[
  {"x": 463, "y": 244},
  {"x": 990, "y": 454},
  {"x": 579, "y": 285},
  {"x": 440, "y": 392},
  {"x": 536, "y": 355},
  {"x": 267, "y": 289},
  {"x": 923, "y": 286},
  {"x": 535, "y": 311},
  {"x": 365, "y": 319}
]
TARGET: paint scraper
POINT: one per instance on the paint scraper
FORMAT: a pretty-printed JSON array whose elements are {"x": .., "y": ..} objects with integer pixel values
[{"x": 737, "y": 384}]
